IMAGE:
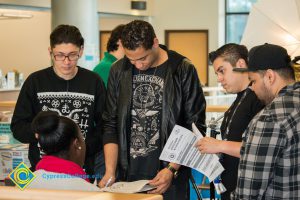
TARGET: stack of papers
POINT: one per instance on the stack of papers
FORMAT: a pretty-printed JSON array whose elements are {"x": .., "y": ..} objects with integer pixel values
[{"x": 180, "y": 148}]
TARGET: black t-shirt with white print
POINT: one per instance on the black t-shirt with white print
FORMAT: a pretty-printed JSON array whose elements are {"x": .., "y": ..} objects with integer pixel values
[{"x": 146, "y": 114}]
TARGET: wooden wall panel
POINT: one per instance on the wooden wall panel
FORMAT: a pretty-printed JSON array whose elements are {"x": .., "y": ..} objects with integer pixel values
[
  {"x": 103, "y": 38},
  {"x": 194, "y": 45}
]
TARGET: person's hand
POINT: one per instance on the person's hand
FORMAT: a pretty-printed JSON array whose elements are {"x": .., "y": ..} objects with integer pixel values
[
  {"x": 161, "y": 181},
  {"x": 107, "y": 180},
  {"x": 209, "y": 145}
]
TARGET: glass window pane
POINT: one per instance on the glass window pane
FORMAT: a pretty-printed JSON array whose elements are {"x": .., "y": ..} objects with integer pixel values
[
  {"x": 239, "y": 5},
  {"x": 235, "y": 25}
]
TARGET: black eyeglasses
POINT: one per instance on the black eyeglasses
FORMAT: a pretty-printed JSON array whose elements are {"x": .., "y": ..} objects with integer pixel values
[{"x": 62, "y": 57}]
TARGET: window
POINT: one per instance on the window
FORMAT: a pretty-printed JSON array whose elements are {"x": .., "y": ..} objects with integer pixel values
[{"x": 236, "y": 12}]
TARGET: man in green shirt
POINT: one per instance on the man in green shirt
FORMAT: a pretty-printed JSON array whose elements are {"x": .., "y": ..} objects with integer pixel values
[{"x": 114, "y": 52}]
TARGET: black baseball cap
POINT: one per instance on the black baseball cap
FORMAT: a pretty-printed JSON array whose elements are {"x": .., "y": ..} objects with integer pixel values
[{"x": 266, "y": 56}]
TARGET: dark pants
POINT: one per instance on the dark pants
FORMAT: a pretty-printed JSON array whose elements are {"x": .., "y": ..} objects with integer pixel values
[
  {"x": 88, "y": 166},
  {"x": 179, "y": 190},
  {"x": 226, "y": 195},
  {"x": 99, "y": 166},
  {"x": 94, "y": 166}
]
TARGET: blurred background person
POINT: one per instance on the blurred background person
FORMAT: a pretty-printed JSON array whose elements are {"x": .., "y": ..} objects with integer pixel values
[{"x": 114, "y": 52}]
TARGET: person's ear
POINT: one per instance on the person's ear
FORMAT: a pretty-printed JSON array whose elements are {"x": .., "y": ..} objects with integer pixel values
[
  {"x": 120, "y": 45},
  {"x": 241, "y": 63},
  {"x": 77, "y": 144},
  {"x": 155, "y": 43},
  {"x": 270, "y": 76},
  {"x": 119, "y": 42},
  {"x": 81, "y": 51},
  {"x": 50, "y": 51}
]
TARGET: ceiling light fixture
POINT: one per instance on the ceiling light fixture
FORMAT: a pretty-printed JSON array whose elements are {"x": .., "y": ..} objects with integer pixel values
[{"x": 15, "y": 16}]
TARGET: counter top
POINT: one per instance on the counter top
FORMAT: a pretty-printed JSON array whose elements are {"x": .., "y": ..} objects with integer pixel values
[
  {"x": 10, "y": 89},
  {"x": 7, "y": 103},
  {"x": 14, "y": 193},
  {"x": 216, "y": 108}
]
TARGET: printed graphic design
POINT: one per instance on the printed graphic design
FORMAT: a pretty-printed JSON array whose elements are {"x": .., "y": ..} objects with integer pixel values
[
  {"x": 147, "y": 104},
  {"x": 22, "y": 176},
  {"x": 73, "y": 105}
]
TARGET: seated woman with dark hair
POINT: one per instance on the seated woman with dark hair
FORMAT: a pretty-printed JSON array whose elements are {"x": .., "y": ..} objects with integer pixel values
[{"x": 61, "y": 141}]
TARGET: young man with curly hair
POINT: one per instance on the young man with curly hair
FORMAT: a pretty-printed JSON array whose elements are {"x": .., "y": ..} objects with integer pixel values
[{"x": 149, "y": 91}]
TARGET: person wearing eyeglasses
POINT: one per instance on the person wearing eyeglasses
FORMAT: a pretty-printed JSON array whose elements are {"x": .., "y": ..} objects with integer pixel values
[{"x": 67, "y": 89}]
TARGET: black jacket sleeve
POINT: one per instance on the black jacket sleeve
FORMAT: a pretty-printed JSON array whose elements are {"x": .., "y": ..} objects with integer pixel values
[
  {"x": 24, "y": 113},
  {"x": 110, "y": 134},
  {"x": 194, "y": 101}
]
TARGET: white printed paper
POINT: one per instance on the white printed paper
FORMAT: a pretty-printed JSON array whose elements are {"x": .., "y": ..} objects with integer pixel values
[
  {"x": 180, "y": 148},
  {"x": 129, "y": 187}
]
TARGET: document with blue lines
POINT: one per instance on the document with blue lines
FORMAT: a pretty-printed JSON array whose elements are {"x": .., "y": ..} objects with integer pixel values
[{"x": 180, "y": 148}]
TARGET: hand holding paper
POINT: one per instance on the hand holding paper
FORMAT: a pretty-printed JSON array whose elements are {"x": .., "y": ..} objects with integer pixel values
[
  {"x": 208, "y": 145},
  {"x": 106, "y": 181},
  {"x": 161, "y": 181},
  {"x": 129, "y": 187},
  {"x": 180, "y": 148}
]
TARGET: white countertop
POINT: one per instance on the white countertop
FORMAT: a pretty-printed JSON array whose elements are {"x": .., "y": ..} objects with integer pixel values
[{"x": 10, "y": 89}]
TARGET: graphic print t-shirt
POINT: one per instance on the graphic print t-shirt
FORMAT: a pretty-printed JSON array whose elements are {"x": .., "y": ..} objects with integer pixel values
[
  {"x": 77, "y": 99},
  {"x": 76, "y": 106},
  {"x": 146, "y": 113}
]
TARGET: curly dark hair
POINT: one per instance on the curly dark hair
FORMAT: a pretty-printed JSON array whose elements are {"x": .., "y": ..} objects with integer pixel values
[
  {"x": 66, "y": 34},
  {"x": 138, "y": 33},
  {"x": 231, "y": 53},
  {"x": 115, "y": 36}
]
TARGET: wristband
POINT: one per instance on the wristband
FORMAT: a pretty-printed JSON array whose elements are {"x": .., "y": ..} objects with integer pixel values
[{"x": 173, "y": 170}]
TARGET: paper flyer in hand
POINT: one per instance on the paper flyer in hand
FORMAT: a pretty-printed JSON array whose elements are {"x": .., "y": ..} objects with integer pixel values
[{"x": 180, "y": 148}]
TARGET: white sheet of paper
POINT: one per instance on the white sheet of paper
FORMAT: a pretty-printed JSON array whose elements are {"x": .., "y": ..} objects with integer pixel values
[
  {"x": 129, "y": 187},
  {"x": 180, "y": 148}
]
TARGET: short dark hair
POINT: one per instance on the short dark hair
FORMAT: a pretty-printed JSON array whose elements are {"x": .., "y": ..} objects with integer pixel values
[
  {"x": 286, "y": 73},
  {"x": 231, "y": 53},
  {"x": 55, "y": 133},
  {"x": 138, "y": 33},
  {"x": 115, "y": 36},
  {"x": 66, "y": 34}
]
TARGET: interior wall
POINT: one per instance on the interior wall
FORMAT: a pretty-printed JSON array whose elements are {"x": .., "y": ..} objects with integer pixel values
[
  {"x": 188, "y": 14},
  {"x": 108, "y": 22},
  {"x": 24, "y": 43},
  {"x": 32, "y": 3},
  {"x": 124, "y": 7},
  {"x": 105, "y": 6}
]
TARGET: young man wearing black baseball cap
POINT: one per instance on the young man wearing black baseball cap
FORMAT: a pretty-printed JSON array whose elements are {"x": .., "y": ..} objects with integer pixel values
[{"x": 270, "y": 153}]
